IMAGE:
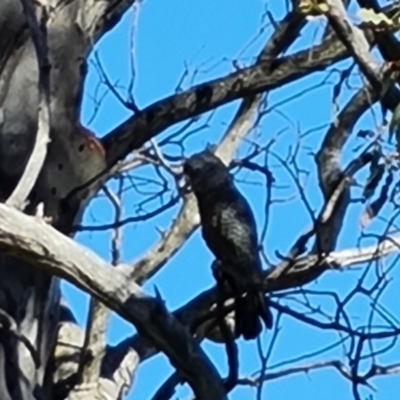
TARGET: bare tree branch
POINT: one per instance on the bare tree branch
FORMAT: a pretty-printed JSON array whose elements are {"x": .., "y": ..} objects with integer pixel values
[
  {"x": 98, "y": 17},
  {"x": 277, "y": 279},
  {"x": 50, "y": 251},
  {"x": 201, "y": 98},
  {"x": 89, "y": 370},
  {"x": 188, "y": 218},
  {"x": 343, "y": 370},
  {"x": 387, "y": 42},
  {"x": 356, "y": 42}
]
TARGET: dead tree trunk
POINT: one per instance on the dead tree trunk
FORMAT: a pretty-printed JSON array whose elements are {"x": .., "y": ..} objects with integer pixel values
[{"x": 29, "y": 299}]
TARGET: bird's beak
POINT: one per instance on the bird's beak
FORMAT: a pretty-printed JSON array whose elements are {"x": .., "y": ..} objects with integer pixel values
[
  {"x": 184, "y": 182},
  {"x": 185, "y": 175}
]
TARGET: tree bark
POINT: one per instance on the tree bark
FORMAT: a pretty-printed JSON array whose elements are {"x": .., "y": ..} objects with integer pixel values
[
  {"x": 77, "y": 164},
  {"x": 28, "y": 297}
]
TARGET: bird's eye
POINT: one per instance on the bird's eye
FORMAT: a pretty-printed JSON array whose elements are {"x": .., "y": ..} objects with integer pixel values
[
  {"x": 190, "y": 170},
  {"x": 187, "y": 169}
]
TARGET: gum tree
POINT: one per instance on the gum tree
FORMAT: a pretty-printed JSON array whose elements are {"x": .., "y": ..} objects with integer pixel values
[{"x": 51, "y": 166}]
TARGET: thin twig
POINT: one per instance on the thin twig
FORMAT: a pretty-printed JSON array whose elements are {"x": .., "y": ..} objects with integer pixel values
[
  {"x": 7, "y": 323},
  {"x": 95, "y": 341}
]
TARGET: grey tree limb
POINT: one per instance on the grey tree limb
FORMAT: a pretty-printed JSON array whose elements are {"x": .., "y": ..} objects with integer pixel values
[
  {"x": 93, "y": 350},
  {"x": 31, "y": 240},
  {"x": 276, "y": 279},
  {"x": 356, "y": 42},
  {"x": 188, "y": 220},
  {"x": 134, "y": 132},
  {"x": 73, "y": 157}
]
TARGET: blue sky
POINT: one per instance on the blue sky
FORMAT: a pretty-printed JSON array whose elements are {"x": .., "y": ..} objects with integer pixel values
[{"x": 206, "y": 36}]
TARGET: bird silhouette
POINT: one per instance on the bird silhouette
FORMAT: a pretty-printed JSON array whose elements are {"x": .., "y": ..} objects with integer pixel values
[{"x": 229, "y": 229}]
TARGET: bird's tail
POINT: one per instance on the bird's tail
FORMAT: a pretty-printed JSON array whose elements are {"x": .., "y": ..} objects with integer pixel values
[
  {"x": 263, "y": 309},
  {"x": 249, "y": 309}
]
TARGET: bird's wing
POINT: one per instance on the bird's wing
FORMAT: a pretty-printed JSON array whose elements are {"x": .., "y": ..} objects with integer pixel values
[{"x": 229, "y": 229}]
